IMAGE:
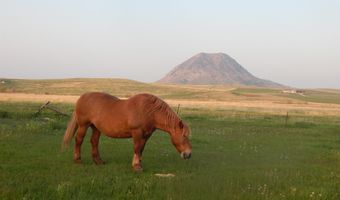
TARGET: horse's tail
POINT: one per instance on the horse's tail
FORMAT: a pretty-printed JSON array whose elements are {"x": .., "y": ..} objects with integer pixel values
[{"x": 70, "y": 131}]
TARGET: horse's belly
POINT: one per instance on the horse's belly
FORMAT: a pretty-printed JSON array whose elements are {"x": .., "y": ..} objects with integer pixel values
[
  {"x": 114, "y": 134},
  {"x": 115, "y": 126}
]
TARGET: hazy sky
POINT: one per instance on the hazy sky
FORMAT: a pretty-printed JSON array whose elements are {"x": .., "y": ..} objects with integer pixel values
[{"x": 293, "y": 42}]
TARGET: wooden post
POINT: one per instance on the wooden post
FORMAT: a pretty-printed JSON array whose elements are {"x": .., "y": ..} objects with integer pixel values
[
  {"x": 46, "y": 105},
  {"x": 178, "y": 109},
  {"x": 42, "y": 107},
  {"x": 286, "y": 121},
  {"x": 57, "y": 111}
]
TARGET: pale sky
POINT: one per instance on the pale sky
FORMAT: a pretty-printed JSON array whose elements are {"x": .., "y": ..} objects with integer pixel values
[{"x": 293, "y": 42}]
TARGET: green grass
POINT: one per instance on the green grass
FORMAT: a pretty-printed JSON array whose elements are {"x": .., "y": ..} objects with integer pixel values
[{"x": 236, "y": 155}]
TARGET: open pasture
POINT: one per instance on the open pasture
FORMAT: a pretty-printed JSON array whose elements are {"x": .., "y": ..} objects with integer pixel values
[
  {"x": 127, "y": 88},
  {"x": 236, "y": 155}
]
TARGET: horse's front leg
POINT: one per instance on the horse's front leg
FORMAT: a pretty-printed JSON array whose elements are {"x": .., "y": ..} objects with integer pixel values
[{"x": 138, "y": 144}]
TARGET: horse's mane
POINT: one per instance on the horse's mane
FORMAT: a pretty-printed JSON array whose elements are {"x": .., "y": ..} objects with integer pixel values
[{"x": 154, "y": 104}]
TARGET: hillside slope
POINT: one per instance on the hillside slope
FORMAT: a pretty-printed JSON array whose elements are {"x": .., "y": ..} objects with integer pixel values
[{"x": 215, "y": 68}]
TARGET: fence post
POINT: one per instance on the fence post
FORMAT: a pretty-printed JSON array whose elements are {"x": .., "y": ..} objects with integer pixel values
[
  {"x": 286, "y": 120},
  {"x": 178, "y": 109}
]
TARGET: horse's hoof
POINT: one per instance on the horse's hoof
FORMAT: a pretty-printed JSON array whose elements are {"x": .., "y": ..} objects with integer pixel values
[
  {"x": 137, "y": 168},
  {"x": 98, "y": 161},
  {"x": 78, "y": 161}
]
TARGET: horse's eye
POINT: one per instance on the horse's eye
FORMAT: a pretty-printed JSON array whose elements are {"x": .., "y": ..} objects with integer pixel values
[{"x": 185, "y": 135}]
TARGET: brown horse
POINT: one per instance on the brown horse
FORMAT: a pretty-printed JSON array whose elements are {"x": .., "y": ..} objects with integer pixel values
[{"x": 137, "y": 117}]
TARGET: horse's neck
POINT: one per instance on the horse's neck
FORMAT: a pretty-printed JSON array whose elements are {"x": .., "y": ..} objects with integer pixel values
[{"x": 166, "y": 121}]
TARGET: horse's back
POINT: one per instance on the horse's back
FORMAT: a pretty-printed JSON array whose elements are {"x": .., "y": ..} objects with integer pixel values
[
  {"x": 101, "y": 102},
  {"x": 97, "y": 96},
  {"x": 92, "y": 103},
  {"x": 93, "y": 99},
  {"x": 142, "y": 101}
]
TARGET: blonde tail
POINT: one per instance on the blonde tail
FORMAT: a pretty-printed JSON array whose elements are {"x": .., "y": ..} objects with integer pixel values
[{"x": 70, "y": 131}]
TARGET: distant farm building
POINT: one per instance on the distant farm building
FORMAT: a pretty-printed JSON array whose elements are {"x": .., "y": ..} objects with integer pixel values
[{"x": 300, "y": 92}]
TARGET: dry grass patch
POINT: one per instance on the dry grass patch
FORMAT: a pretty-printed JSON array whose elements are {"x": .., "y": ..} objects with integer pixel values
[{"x": 263, "y": 106}]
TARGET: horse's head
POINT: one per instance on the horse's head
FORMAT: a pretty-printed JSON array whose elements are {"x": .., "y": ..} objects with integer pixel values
[{"x": 180, "y": 139}]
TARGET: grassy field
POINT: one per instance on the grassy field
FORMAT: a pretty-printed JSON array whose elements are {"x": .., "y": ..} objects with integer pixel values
[
  {"x": 118, "y": 87},
  {"x": 127, "y": 88},
  {"x": 236, "y": 155},
  {"x": 309, "y": 95}
]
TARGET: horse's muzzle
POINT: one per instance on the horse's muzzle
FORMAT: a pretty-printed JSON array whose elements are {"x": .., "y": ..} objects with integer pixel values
[{"x": 186, "y": 155}]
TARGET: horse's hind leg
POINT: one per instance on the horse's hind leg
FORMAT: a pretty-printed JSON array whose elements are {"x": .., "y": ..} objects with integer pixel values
[
  {"x": 79, "y": 140},
  {"x": 95, "y": 141}
]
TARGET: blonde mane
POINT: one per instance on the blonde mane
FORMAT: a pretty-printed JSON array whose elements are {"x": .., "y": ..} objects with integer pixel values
[{"x": 154, "y": 104}]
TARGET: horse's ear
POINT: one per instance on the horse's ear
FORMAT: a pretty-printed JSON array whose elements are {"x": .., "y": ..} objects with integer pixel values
[{"x": 181, "y": 125}]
